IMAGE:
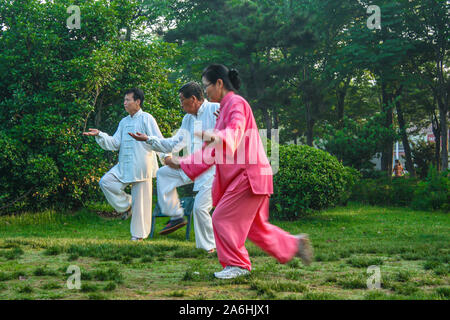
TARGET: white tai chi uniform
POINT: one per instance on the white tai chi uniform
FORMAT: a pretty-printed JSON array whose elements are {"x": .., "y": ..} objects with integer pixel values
[
  {"x": 168, "y": 179},
  {"x": 137, "y": 166}
]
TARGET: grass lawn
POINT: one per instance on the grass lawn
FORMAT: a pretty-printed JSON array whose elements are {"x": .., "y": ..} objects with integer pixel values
[{"x": 411, "y": 249}]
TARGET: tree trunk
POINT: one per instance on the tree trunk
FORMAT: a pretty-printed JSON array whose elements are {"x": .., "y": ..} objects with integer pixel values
[
  {"x": 388, "y": 146},
  {"x": 442, "y": 99},
  {"x": 267, "y": 121},
  {"x": 437, "y": 141},
  {"x": 340, "y": 104},
  {"x": 309, "y": 126},
  {"x": 401, "y": 122},
  {"x": 444, "y": 136},
  {"x": 128, "y": 35},
  {"x": 98, "y": 115},
  {"x": 340, "y": 95},
  {"x": 276, "y": 118}
]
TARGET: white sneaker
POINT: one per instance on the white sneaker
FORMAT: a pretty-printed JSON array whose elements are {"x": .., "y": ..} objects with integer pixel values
[
  {"x": 230, "y": 272},
  {"x": 133, "y": 238}
]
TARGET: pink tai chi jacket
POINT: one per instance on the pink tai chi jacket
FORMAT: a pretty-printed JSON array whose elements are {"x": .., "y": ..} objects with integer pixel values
[{"x": 238, "y": 151}]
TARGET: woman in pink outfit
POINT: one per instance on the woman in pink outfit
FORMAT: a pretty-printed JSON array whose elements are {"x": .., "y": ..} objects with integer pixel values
[{"x": 243, "y": 181}]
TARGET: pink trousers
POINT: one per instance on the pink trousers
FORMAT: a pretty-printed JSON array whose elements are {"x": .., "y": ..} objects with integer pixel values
[{"x": 241, "y": 214}]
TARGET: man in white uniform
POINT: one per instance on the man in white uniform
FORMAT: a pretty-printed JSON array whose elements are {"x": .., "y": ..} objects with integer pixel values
[
  {"x": 200, "y": 116},
  {"x": 137, "y": 165}
]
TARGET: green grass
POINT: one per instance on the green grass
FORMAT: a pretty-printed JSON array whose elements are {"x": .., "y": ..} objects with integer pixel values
[{"x": 411, "y": 248}]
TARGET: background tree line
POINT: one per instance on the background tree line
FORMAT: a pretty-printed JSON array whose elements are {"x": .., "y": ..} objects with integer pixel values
[
  {"x": 310, "y": 68},
  {"x": 314, "y": 70}
]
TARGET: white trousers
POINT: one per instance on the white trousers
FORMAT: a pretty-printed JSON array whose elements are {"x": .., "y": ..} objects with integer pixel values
[
  {"x": 140, "y": 201},
  {"x": 167, "y": 180}
]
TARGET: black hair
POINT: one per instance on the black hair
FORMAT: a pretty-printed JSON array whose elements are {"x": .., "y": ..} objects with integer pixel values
[
  {"x": 230, "y": 78},
  {"x": 137, "y": 94},
  {"x": 192, "y": 89}
]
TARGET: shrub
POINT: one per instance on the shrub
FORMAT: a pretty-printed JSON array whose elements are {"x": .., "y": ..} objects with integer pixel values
[
  {"x": 385, "y": 191},
  {"x": 309, "y": 179},
  {"x": 423, "y": 155},
  {"x": 434, "y": 192},
  {"x": 55, "y": 84}
]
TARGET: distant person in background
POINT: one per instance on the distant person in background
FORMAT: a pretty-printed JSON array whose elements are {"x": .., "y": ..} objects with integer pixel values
[
  {"x": 241, "y": 187},
  {"x": 398, "y": 169},
  {"x": 200, "y": 114},
  {"x": 137, "y": 165}
]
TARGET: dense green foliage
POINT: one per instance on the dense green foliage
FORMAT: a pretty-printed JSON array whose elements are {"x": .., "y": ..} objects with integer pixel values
[
  {"x": 357, "y": 142},
  {"x": 431, "y": 194},
  {"x": 391, "y": 192},
  {"x": 309, "y": 179},
  {"x": 423, "y": 156},
  {"x": 55, "y": 82},
  {"x": 312, "y": 69},
  {"x": 306, "y": 64},
  {"x": 434, "y": 192}
]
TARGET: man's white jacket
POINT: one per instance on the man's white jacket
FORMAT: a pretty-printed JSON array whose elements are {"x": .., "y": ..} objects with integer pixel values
[
  {"x": 137, "y": 161},
  {"x": 185, "y": 139}
]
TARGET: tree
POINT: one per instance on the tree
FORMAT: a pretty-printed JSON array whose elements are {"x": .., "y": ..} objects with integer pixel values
[
  {"x": 56, "y": 81},
  {"x": 356, "y": 142},
  {"x": 382, "y": 51},
  {"x": 252, "y": 36},
  {"x": 427, "y": 23}
]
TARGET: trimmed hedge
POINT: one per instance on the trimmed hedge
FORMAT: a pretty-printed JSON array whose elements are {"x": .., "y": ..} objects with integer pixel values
[
  {"x": 433, "y": 193},
  {"x": 309, "y": 179},
  {"x": 384, "y": 191}
]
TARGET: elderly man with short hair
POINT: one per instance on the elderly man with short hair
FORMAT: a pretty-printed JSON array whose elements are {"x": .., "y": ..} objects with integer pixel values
[
  {"x": 137, "y": 165},
  {"x": 201, "y": 115}
]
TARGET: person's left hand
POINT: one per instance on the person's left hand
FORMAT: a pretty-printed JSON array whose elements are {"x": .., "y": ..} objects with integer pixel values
[
  {"x": 172, "y": 162},
  {"x": 206, "y": 136},
  {"x": 139, "y": 136}
]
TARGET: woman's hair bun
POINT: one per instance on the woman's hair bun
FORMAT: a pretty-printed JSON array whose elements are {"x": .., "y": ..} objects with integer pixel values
[
  {"x": 234, "y": 78},
  {"x": 233, "y": 73}
]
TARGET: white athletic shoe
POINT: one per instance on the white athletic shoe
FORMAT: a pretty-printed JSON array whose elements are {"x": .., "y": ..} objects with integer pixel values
[
  {"x": 133, "y": 238},
  {"x": 231, "y": 272}
]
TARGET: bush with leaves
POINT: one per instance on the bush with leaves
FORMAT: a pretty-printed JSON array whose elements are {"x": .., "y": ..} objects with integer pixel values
[
  {"x": 309, "y": 179},
  {"x": 385, "y": 191},
  {"x": 434, "y": 192},
  {"x": 55, "y": 82}
]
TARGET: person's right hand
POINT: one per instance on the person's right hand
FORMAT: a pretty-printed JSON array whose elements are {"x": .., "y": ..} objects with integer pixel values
[{"x": 92, "y": 132}]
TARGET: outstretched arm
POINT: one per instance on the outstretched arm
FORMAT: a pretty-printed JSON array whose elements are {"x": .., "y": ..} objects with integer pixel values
[
  {"x": 105, "y": 141},
  {"x": 156, "y": 142}
]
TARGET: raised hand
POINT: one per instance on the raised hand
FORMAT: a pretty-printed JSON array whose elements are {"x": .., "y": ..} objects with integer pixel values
[
  {"x": 139, "y": 136},
  {"x": 206, "y": 136},
  {"x": 92, "y": 132}
]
